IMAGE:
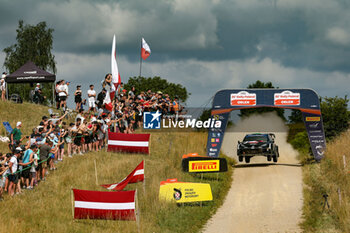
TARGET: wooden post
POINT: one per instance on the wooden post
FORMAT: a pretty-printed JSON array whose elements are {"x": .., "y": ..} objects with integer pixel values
[
  {"x": 144, "y": 177},
  {"x": 96, "y": 172},
  {"x": 72, "y": 198},
  {"x": 339, "y": 195},
  {"x": 137, "y": 212},
  {"x": 344, "y": 161}
]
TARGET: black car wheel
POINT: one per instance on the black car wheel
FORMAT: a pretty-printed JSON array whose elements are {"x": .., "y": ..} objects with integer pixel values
[
  {"x": 275, "y": 158},
  {"x": 247, "y": 159},
  {"x": 240, "y": 158},
  {"x": 269, "y": 158}
]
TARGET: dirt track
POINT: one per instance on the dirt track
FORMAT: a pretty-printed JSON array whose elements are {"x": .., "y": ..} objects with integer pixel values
[{"x": 264, "y": 197}]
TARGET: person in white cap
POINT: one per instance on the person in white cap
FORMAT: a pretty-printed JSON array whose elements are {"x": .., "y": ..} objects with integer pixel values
[
  {"x": 16, "y": 135},
  {"x": 3, "y": 87}
]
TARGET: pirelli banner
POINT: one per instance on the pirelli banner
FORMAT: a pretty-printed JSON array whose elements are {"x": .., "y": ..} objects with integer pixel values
[
  {"x": 305, "y": 100},
  {"x": 204, "y": 165}
]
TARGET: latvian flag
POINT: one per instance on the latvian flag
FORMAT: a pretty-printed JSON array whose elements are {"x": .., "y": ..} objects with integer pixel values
[
  {"x": 145, "y": 49},
  {"x": 104, "y": 205},
  {"x": 132, "y": 143},
  {"x": 137, "y": 175}
]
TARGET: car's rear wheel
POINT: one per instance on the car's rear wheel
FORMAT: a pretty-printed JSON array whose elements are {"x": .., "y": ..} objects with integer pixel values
[
  {"x": 269, "y": 158},
  {"x": 247, "y": 159},
  {"x": 240, "y": 158}
]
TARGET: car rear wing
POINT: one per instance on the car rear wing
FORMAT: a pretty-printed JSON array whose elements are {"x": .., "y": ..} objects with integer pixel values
[{"x": 272, "y": 135}]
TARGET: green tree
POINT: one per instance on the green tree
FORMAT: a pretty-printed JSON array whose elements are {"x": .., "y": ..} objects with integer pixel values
[
  {"x": 250, "y": 111},
  {"x": 157, "y": 84},
  {"x": 335, "y": 115},
  {"x": 34, "y": 43},
  {"x": 295, "y": 116}
]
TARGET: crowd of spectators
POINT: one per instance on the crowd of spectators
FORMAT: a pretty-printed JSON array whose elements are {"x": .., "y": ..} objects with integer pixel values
[{"x": 32, "y": 157}]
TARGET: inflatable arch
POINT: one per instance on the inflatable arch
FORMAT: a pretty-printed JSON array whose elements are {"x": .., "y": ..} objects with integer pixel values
[{"x": 305, "y": 100}]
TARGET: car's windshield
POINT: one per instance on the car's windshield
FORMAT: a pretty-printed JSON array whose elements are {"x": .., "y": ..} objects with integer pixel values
[{"x": 259, "y": 138}]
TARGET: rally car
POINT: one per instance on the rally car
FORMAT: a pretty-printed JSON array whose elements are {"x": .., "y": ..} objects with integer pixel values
[{"x": 258, "y": 145}]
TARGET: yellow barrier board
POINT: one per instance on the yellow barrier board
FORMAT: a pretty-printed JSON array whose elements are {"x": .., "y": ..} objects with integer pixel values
[
  {"x": 204, "y": 166},
  {"x": 185, "y": 192}
]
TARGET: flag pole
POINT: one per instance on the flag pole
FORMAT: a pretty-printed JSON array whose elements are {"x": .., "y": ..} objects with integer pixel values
[
  {"x": 96, "y": 172},
  {"x": 140, "y": 58}
]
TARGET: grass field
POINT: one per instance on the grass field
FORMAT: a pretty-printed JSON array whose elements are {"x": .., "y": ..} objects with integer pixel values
[
  {"x": 332, "y": 178},
  {"x": 48, "y": 208}
]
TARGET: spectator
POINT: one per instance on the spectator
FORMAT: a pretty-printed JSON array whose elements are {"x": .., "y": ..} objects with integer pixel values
[
  {"x": 92, "y": 98},
  {"x": 13, "y": 177},
  {"x": 78, "y": 98},
  {"x": 16, "y": 135},
  {"x": 3, "y": 86},
  {"x": 100, "y": 98},
  {"x": 63, "y": 94}
]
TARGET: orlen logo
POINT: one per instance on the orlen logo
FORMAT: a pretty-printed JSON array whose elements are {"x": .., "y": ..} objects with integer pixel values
[
  {"x": 198, "y": 166},
  {"x": 243, "y": 98},
  {"x": 286, "y": 98}
]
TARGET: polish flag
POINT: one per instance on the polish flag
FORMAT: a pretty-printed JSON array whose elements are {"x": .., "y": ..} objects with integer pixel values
[
  {"x": 137, "y": 175},
  {"x": 131, "y": 143},
  {"x": 145, "y": 50},
  {"x": 115, "y": 77},
  {"x": 104, "y": 205}
]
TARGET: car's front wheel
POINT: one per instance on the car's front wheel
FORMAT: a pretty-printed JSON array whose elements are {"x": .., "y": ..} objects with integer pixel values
[
  {"x": 240, "y": 158},
  {"x": 247, "y": 159}
]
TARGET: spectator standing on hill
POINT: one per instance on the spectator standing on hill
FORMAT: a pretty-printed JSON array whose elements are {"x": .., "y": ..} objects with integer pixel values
[
  {"x": 100, "y": 98},
  {"x": 16, "y": 135},
  {"x": 92, "y": 98},
  {"x": 44, "y": 155},
  {"x": 13, "y": 177},
  {"x": 63, "y": 94},
  {"x": 3, "y": 86},
  {"x": 78, "y": 99}
]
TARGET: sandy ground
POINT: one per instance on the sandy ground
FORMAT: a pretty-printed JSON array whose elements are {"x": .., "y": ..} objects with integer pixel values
[{"x": 264, "y": 197}]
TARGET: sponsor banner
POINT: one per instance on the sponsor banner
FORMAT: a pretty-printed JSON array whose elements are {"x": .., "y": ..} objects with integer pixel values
[
  {"x": 104, "y": 205},
  {"x": 243, "y": 98},
  {"x": 131, "y": 143},
  {"x": 287, "y": 98},
  {"x": 182, "y": 192},
  {"x": 316, "y": 134},
  {"x": 313, "y": 118},
  {"x": 204, "y": 164},
  {"x": 216, "y": 135}
]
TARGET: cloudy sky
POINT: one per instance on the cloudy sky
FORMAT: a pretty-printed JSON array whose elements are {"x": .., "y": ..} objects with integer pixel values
[{"x": 205, "y": 45}]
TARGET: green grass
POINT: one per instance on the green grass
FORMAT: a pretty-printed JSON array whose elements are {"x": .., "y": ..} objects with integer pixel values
[
  {"x": 48, "y": 208},
  {"x": 328, "y": 177}
]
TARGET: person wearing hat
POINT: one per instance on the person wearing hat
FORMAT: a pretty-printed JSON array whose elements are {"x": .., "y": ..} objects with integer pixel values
[
  {"x": 3, "y": 87},
  {"x": 16, "y": 135},
  {"x": 77, "y": 98}
]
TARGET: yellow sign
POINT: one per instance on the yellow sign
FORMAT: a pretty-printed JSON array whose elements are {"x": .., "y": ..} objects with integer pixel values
[
  {"x": 204, "y": 165},
  {"x": 185, "y": 192},
  {"x": 313, "y": 118}
]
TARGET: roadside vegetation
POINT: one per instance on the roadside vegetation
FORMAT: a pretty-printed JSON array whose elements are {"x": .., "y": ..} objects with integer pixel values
[
  {"x": 329, "y": 180},
  {"x": 48, "y": 208}
]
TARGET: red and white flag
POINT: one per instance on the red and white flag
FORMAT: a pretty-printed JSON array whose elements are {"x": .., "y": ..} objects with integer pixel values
[
  {"x": 104, "y": 205},
  {"x": 145, "y": 50},
  {"x": 116, "y": 80},
  {"x": 131, "y": 143},
  {"x": 137, "y": 175}
]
